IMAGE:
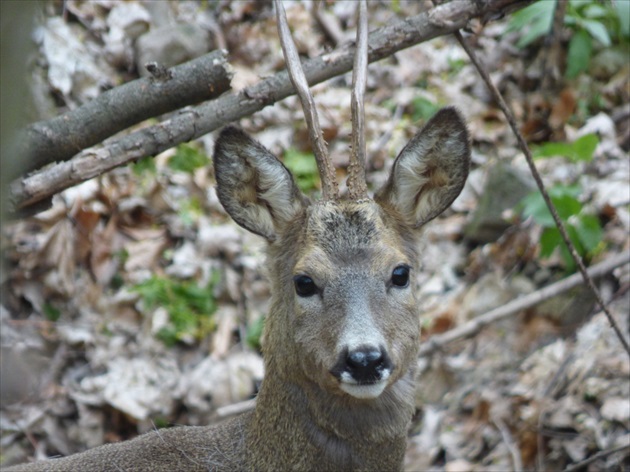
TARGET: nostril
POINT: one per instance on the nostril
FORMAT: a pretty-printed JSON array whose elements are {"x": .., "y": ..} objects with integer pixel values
[{"x": 364, "y": 359}]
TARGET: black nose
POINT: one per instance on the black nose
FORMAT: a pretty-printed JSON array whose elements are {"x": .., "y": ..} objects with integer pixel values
[{"x": 366, "y": 364}]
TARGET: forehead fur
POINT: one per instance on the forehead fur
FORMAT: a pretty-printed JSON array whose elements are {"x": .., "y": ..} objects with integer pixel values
[{"x": 344, "y": 228}]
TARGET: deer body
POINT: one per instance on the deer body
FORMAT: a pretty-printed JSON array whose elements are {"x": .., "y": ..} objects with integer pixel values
[{"x": 342, "y": 334}]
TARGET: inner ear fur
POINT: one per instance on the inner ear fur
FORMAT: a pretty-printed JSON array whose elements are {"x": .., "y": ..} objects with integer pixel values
[
  {"x": 430, "y": 172},
  {"x": 254, "y": 187}
]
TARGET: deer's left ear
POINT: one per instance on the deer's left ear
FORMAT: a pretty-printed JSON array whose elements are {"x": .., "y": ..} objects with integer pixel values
[
  {"x": 430, "y": 172},
  {"x": 254, "y": 187}
]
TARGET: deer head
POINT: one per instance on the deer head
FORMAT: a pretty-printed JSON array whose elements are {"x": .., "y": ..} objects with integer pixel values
[{"x": 344, "y": 317}]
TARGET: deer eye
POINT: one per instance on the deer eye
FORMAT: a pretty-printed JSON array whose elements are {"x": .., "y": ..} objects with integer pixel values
[
  {"x": 304, "y": 286},
  {"x": 400, "y": 276}
]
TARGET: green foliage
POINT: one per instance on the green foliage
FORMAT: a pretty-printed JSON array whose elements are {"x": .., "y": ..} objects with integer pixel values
[
  {"x": 581, "y": 149},
  {"x": 455, "y": 65},
  {"x": 579, "y": 54},
  {"x": 51, "y": 313},
  {"x": 188, "y": 158},
  {"x": 535, "y": 21},
  {"x": 161, "y": 422},
  {"x": 190, "y": 209},
  {"x": 254, "y": 332},
  {"x": 144, "y": 166},
  {"x": 189, "y": 306},
  {"x": 589, "y": 20},
  {"x": 582, "y": 226},
  {"x": 303, "y": 167},
  {"x": 422, "y": 109}
]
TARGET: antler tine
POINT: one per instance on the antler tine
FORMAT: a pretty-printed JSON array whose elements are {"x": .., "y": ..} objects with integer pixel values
[
  {"x": 357, "y": 186},
  {"x": 296, "y": 73}
]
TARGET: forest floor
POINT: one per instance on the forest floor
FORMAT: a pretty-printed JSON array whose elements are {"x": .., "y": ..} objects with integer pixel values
[{"x": 134, "y": 302}]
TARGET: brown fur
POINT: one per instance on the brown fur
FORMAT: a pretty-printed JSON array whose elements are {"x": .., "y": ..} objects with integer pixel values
[{"x": 303, "y": 419}]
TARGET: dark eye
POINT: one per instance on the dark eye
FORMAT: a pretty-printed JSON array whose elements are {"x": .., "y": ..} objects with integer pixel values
[
  {"x": 400, "y": 276},
  {"x": 304, "y": 285}
]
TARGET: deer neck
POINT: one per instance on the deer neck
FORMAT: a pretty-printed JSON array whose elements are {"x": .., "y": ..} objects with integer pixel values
[{"x": 336, "y": 433}]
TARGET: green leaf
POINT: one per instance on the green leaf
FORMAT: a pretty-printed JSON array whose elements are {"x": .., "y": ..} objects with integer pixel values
[
  {"x": 581, "y": 149},
  {"x": 552, "y": 150},
  {"x": 584, "y": 148},
  {"x": 597, "y": 31},
  {"x": 623, "y": 13},
  {"x": 531, "y": 14},
  {"x": 550, "y": 239},
  {"x": 564, "y": 250},
  {"x": 534, "y": 207},
  {"x": 579, "y": 54},
  {"x": 304, "y": 168},
  {"x": 566, "y": 206},
  {"x": 533, "y": 21},
  {"x": 51, "y": 313},
  {"x": 564, "y": 199},
  {"x": 589, "y": 231},
  {"x": 579, "y": 4},
  {"x": 189, "y": 306},
  {"x": 144, "y": 165},
  {"x": 423, "y": 109},
  {"x": 188, "y": 158},
  {"x": 594, "y": 10}
]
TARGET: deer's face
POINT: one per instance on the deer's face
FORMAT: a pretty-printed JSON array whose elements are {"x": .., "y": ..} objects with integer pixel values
[
  {"x": 342, "y": 269},
  {"x": 354, "y": 313}
]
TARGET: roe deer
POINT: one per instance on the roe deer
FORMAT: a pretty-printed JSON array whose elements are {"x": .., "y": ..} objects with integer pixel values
[{"x": 342, "y": 333}]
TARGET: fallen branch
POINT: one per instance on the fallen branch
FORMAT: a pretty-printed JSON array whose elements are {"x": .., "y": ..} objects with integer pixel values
[
  {"x": 472, "y": 327},
  {"x": 116, "y": 109},
  {"x": 196, "y": 121}
]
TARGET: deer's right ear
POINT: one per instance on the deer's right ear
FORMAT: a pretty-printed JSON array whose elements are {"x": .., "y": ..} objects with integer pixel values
[
  {"x": 254, "y": 187},
  {"x": 430, "y": 172}
]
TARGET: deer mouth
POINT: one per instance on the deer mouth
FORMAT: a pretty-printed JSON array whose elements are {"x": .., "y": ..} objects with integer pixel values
[{"x": 365, "y": 390}]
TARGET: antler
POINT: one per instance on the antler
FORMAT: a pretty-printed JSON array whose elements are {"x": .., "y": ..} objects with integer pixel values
[
  {"x": 296, "y": 73},
  {"x": 357, "y": 186}
]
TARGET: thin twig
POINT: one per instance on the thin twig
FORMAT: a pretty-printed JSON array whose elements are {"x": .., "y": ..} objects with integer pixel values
[
  {"x": 596, "y": 457},
  {"x": 436, "y": 342},
  {"x": 550, "y": 393},
  {"x": 357, "y": 187},
  {"x": 329, "y": 23},
  {"x": 517, "y": 461},
  {"x": 530, "y": 161},
  {"x": 296, "y": 73}
]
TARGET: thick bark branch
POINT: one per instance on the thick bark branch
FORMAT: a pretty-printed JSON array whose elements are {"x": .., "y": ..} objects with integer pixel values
[
  {"x": 62, "y": 137},
  {"x": 197, "y": 121}
]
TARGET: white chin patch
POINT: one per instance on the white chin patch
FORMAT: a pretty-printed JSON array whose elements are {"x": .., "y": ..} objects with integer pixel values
[{"x": 364, "y": 391}]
